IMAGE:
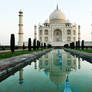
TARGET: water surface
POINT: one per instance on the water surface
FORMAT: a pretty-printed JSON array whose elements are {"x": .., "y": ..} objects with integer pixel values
[{"x": 48, "y": 75}]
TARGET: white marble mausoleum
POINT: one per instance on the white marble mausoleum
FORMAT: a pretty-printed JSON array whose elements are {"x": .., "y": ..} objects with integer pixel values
[{"x": 57, "y": 30}]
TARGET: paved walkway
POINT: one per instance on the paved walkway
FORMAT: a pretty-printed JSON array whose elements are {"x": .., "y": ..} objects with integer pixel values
[
  {"x": 10, "y": 62},
  {"x": 4, "y": 51},
  {"x": 84, "y": 55}
]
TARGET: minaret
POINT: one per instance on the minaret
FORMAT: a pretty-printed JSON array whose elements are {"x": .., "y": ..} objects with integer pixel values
[
  {"x": 78, "y": 63},
  {"x": 20, "y": 42},
  {"x": 35, "y": 65},
  {"x": 91, "y": 32},
  {"x": 57, "y": 6},
  {"x": 91, "y": 36},
  {"x": 78, "y": 32},
  {"x": 35, "y": 32}
]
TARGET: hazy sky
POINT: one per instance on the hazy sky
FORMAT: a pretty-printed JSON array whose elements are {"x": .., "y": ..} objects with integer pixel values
[{"x": 37, "y": 11}]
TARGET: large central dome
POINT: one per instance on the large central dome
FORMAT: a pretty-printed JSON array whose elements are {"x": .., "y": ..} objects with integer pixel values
[{"x": 57, "y": 16}]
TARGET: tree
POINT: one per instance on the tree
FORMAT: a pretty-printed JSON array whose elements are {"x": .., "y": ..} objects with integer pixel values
[
  {"x": 49, "y": 46},
  {"x": 34, "y": 44},
  {"x": 66, "y": 46},
  {"x": 29, "y": 44},
  {"x": 44, "y": 45},
  {"x": 78, "y": 44},
  {"x": 37, "y": 44},
  {"x": 73, "y": 45},
  {"x": 23, "y": 45},
  {"x": 12, "y": 43},
  {"x": 82, "y": 45}
]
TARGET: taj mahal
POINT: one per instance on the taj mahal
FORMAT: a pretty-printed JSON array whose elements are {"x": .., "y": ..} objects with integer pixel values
[{"x": 57, "y": 30}]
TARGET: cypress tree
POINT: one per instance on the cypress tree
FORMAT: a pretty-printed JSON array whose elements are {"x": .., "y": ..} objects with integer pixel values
[
  {"x": 29, "y": 44},
  {"x": 66, "y": 46},
  {"x": 37, "y": 44},
  {"x": 79, "y": 44},
  {"x": 49, "y": 46},
  {"x": 34, "y": 44},
  {"x": 72, "y": 45},
  {"x": 44, "y": 45},
  {"x": 23, "y": 45},
  {"x": 76, "y": 44},
  {"x": 82, "y": 45},
  {"x": 12, "y": 43}
]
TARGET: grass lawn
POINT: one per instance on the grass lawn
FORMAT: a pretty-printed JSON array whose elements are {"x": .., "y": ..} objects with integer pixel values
[
  {"x": 89, "y": 51},
  {"x": 17, "y": 53},
  {"x": 86, "y": 50},
  {"x": 5, "y": 48}
]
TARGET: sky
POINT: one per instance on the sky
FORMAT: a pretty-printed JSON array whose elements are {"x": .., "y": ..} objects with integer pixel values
[{"x": 37, "y": 11}]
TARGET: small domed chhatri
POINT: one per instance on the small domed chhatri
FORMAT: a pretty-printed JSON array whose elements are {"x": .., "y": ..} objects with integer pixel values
[
  {"x": 57, "y": 16},
  {"x": 21, "y": 12},
  {"x": 57, "y": 31}
]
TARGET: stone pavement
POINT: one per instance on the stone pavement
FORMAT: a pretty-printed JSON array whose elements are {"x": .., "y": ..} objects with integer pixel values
[
  {"x": 10, "y": 62},
  {"x": 4, "y": 51},
  {"x": 84, "y": 55}
]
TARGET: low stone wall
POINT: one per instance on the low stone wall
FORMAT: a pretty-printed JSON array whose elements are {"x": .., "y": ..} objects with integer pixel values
[
  {"x": 84, "y": 55},
  {"x": 14, "y": 63}
]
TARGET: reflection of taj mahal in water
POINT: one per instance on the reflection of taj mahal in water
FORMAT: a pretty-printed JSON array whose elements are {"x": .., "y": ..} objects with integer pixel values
[{"x": 57, "y": 73}]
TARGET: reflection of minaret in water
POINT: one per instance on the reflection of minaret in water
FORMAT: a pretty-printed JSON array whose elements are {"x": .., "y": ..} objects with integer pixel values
[
  {"x": 78, "y": 63},
  {"x": 67, "y": 85},
  {"x": 21, "y": 76},
  {"x": 35, "y": 65}
]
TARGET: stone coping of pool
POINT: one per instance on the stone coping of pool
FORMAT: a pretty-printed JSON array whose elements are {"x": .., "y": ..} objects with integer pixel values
[
  {"x": 84, "y": 55},
  {"x": 10, "y": 62}
]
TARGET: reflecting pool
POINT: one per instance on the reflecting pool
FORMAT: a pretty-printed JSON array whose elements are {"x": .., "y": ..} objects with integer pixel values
[{"x": 48, "y": 74}]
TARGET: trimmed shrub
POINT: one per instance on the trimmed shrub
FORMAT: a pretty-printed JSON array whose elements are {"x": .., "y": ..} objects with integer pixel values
[
  {"x": 34, "y": 44},
  {"x": 76, "y": 44},
  {"x": 49, "y": 46},
  {"x": 66, "y": 46},
  {"x": 44, "y": 45},
  {"x": 29, "y": 44},
  {"x": 37, "y": 44},
  {"x": 12, "y": 43},
  {"x": 72, "y": 45},
  {"x": 79, "y": 44},
  {"x": 82, "y": 45},
  {"x": 24, "y": 46}
]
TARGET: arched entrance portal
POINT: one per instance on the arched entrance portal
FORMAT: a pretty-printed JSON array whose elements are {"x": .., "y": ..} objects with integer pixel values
[{"x": 57, "y": 35}]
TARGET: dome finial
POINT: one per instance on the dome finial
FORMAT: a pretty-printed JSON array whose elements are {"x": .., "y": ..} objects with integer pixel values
[{"x": 57, "y": 6}]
